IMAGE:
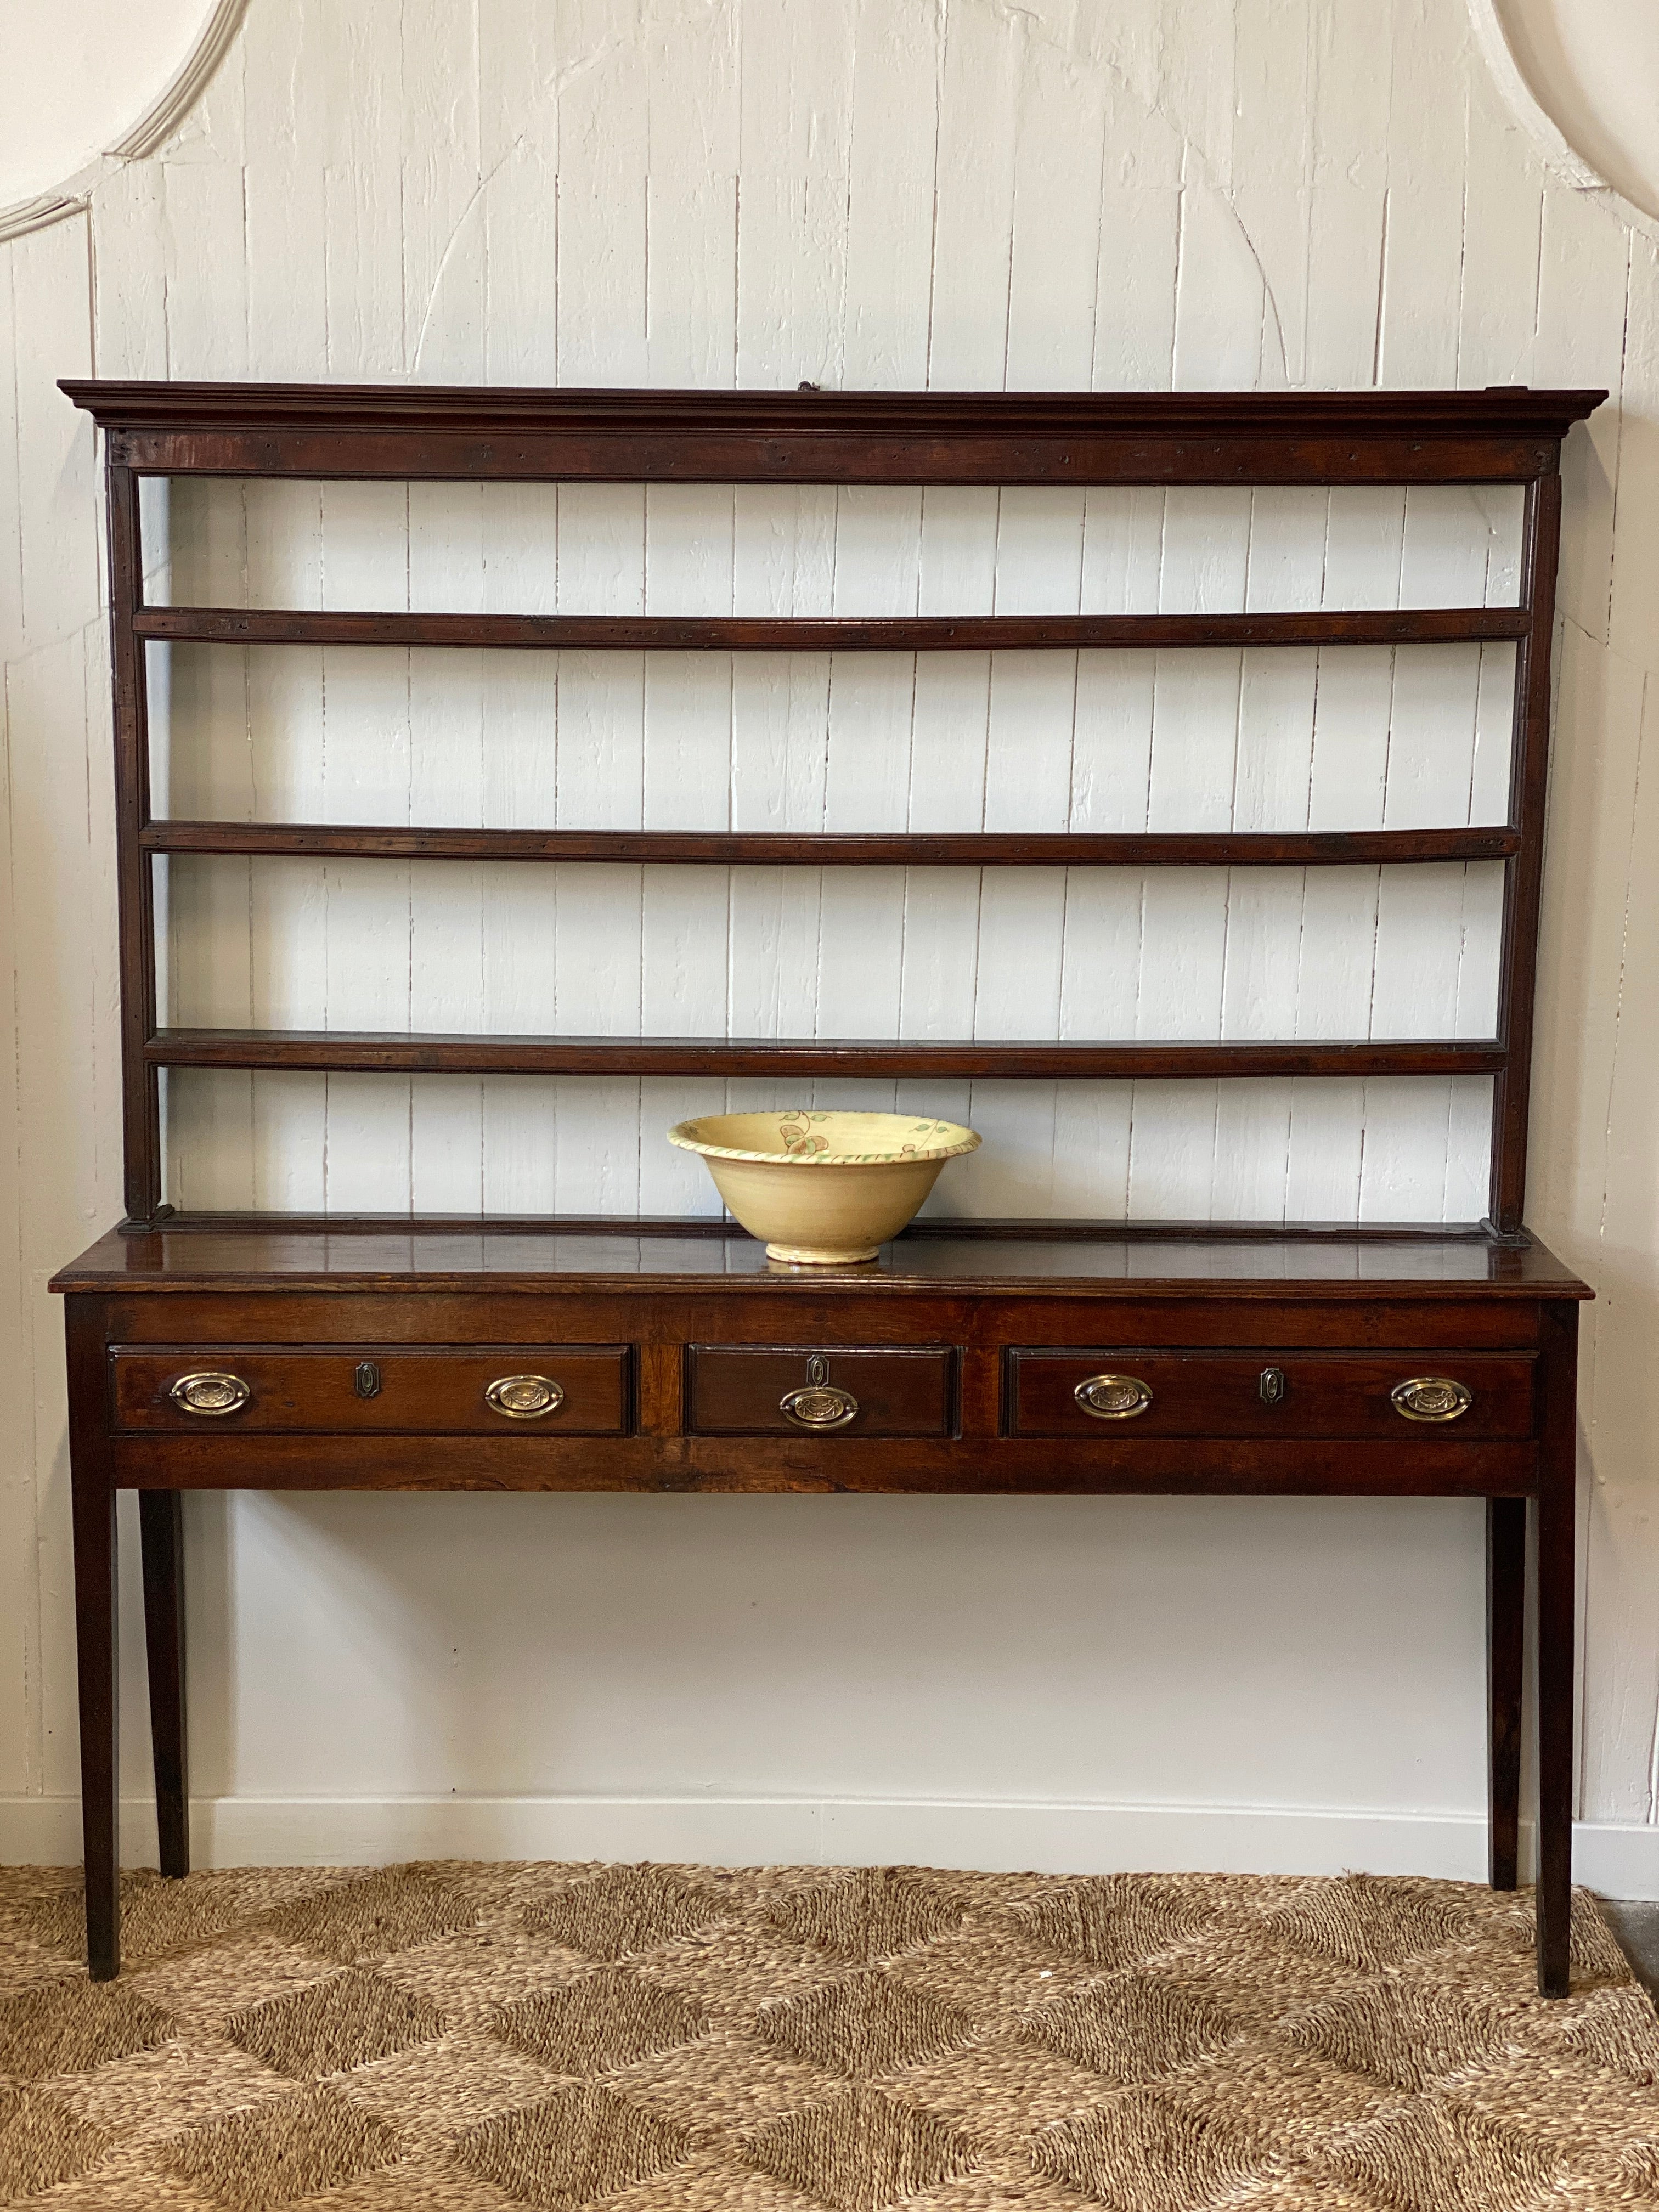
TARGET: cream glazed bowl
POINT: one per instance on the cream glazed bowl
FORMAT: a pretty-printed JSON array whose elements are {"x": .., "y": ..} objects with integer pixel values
[{"x": 823, "y": 1190}]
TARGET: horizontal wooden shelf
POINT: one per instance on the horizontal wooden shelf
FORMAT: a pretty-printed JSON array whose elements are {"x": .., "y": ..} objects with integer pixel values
[
  {"x": 938, "y": 1228},
  {"x": 834, "y": 849},
  {"x": 842, "y": 634},
  {"x": 418, "y": 1053}
]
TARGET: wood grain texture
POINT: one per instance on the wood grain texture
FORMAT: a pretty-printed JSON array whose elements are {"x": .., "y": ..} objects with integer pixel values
[
  {"x": 844, "y": 437},
  {"x": 141, "y": 1111},
  {"x": 1072, "y": 1060},
  {"x": 1524, "y": 875},
  {"x": 162, "y": 1540},
  {"x": 802, "y": 634},
  {"x": 892, "y": 1336},
  {"x": 1036, "y": 1228},
  {"x": 1507, "y": 412},
  {"x": 1556, "y": 1583},
  {"x": 436, "y": 1391},
  {"x": 1414, "y": 1271},
  {"x": 910, "y": 1466},
  {"x": 1337, "y": 1396},
  {"x": 92, "y": 1500},
  {"x": 741, "y": 1390},
  {"x": 1506, "y": 1612},
  {"x": 872, "y": 1359},
  {"x": 758, "y": 848}
]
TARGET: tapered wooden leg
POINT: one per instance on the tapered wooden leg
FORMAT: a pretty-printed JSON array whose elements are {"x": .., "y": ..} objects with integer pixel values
[
  {"x": 160, "y": 1524},
  {"x": 1556, "y": 1514},
  {"x": 1506, "y": 1600},
  {"x": 94, "y": 1501}
]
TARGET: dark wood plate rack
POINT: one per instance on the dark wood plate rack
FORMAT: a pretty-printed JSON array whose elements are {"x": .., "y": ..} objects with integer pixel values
[
  {"x": 1509, "y": 435},
  {"x": 220, "y": 1350}
]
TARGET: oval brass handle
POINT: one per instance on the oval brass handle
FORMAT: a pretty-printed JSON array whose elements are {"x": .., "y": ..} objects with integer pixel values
[
  {"x": 210, "y": 1393},
  {"x": 524, "y": 1397},
  {"x": 1113, "y": 1397},
  {"x": 1431, "y": 1398},
  {"x": 818, "y": 1404}
]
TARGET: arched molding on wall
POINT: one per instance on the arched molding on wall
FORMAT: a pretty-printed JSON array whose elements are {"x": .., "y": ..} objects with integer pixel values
[
  {"x": 177, "y": 96},
  {"x": 1489, "y": 20}
]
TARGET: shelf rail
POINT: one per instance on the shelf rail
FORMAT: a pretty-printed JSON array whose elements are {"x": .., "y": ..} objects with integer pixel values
[
  {"x": 1224, "y": 849},
  {"x": 393, "y": 1052},
  {"x": 839, "y": 634}
]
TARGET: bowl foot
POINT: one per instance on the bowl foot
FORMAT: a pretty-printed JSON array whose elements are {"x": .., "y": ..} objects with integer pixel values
[{"x": 821, "y": 1255}]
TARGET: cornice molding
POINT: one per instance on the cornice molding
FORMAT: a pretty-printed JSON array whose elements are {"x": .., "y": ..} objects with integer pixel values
[
  {"x": 1559, "y": 154},
  {"x": 1493, "y": 41},
  {"x": 177, "y": 96},
  {"x": 1505, "y": 411}
]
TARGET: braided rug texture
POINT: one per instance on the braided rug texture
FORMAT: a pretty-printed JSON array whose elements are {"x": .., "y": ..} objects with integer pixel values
[{"x": 478, "y": 2037}]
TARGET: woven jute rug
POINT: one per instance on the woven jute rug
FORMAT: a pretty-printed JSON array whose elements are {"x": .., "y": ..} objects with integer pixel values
[{"x": 467, "y": 2037}]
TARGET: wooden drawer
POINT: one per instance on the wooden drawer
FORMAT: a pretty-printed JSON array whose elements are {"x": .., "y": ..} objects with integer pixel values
[
  {"x": 830, "y": 1390},
  {"x": 426, "y": 1390},
  {"x": 1257, "y": 1394}
]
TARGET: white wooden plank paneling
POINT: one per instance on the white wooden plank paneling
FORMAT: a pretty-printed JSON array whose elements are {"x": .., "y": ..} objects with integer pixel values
[
  {"x": 1231, "y": 961},
  {"x": 973, "y": 223},
  {"x": 20, "y": 1745},
  {"x": 1063, "y": 739},
  {"x": 1423, "y": 254},
  {"x": 58, "y": 919},
  {"x": 794, "y": 111}
]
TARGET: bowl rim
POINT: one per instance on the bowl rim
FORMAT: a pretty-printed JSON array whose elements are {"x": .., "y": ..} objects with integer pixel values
[{"x": 962, "y": 1139}]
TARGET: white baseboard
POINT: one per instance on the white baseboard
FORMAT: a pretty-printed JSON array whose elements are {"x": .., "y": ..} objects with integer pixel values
[{"x": 1619, "y": 1859}]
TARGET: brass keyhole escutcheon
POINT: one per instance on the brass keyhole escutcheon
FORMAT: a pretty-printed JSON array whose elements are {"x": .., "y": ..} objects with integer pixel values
[
  {"x": 211, "y": 1394},
  {"x": 367, "y": 1380},
  {"x": 821, "y": 1404},
  {"x": 1272, "y": 1386},
  {"x": 1113, "y": 1397},
  {"x": 524, "y": 1397},
  {"x": 1431, "y": 1398}
]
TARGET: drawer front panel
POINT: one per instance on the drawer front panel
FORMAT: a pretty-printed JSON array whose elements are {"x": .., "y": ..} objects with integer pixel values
[
  {"x": 831, "y": 1390},
  {"x": 1264, "y": 1394},
  {"x": 537, "y": 1389}
]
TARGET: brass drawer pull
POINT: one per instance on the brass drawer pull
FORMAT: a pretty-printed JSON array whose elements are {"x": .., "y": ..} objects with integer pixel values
[
  {"x": 209, "y": 1393},
  {"x": 1113, "y": 1397},
  {"x": 1431, "y": 1398},
  {"x": 524, "y": 1397},
  {"x": 820, "y": 1404}
]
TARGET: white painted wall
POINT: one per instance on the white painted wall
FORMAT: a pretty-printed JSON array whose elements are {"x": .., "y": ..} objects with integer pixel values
[{"x": 759, "y": 191}]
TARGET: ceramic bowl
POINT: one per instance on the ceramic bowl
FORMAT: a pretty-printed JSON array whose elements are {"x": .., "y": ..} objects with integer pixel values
[{"x": 823, "y": 1190}]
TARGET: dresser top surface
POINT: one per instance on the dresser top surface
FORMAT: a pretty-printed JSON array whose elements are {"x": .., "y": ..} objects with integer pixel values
[{"x": 414, "y": 1258}]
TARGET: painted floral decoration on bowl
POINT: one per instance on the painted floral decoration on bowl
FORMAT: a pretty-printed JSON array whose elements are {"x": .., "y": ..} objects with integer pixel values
[{"x": 876, "y": 1170}]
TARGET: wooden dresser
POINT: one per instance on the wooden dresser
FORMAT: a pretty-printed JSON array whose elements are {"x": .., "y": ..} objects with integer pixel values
[{"x": 290, "y": 1353}]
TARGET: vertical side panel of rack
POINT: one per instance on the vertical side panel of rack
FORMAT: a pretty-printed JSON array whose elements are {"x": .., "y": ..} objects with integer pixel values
[
  {"x": 141, "y": 1093},
  {"x": 1523, "y": 874}
]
